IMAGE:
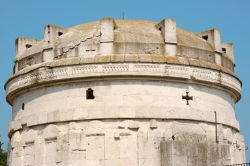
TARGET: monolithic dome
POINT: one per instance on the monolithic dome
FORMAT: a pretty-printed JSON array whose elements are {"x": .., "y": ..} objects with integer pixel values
[{"x": 124, "y": 93}]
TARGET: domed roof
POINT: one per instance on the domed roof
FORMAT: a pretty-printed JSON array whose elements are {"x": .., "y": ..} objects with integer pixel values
[
  {"x": 138, "y": 38},
  {"x": 143, "y": 31}
]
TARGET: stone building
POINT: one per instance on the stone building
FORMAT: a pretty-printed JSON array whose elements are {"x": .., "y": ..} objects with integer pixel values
[{"x": 124, "y": 93}]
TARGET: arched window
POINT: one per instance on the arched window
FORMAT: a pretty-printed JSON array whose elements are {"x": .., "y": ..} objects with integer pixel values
[{"x": 89, "y": 94}]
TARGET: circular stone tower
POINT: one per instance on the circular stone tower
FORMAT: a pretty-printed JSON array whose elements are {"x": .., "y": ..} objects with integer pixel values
[{"x": 124, "y": 93}]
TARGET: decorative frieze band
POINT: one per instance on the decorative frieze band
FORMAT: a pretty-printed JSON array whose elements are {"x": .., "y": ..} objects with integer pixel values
[{"x": 137, "y": 69}]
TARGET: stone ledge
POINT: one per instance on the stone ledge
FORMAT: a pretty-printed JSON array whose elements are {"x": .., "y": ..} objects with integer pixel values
[
  {"x": 127, "y": 58},
  {"x": 154, "y": 71}
]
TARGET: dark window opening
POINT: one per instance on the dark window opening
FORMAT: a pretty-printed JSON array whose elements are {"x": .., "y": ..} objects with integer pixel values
[
  {"x": 90, "y": 94},
  {"x": 205, "y": 37},
  {"x": 28, "y": 45},
  {"x": 224, "y": 50},
  {"x": 60, "y": 33},
  {"x": 23, "y": 106}
]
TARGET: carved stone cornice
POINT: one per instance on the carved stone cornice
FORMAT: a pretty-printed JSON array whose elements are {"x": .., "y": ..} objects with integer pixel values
[{"x": 46, "y": 76}]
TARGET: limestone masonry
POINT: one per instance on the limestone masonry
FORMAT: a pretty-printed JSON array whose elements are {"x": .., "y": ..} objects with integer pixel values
[{"x": 124, "y": 93}]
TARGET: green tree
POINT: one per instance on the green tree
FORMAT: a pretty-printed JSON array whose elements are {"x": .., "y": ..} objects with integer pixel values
[{"x": 3, "y": 156}]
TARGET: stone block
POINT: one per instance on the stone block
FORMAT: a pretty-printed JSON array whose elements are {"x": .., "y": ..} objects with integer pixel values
[
  {"x": 127, "y": 112},
  {"x": 107, "y": 25},
  {"x": 145, "y": 58},
  {"x": 95, "y": 147},
  {"x": 23, "y": 44},
  {"x": 29, "y": 136},
  {"x": 48, "y": 55},
  {"x": 80, "y": 113},
  {"x": 51, "y": 132},
  {"x": 104, "y": 58},
  {"x": 112, "y": 147},
  {"x": 32, "y": 120},
  {"x": 125, "y": 141},
  {"x": 106, "y": 49},
  {"x": 53, "y": 32},
  {"x": 158, "y": 58},
  {"x": 149, "y": 147},
  {"x": 16, "y": 125},
  {"x": 228, "y": 50},
  {"x": 131, "y": 58},
  {"x": 117, "y": 58}
]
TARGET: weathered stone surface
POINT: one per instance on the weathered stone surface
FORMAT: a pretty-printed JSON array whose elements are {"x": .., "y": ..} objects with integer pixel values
[{"x": 111, "y": 93}]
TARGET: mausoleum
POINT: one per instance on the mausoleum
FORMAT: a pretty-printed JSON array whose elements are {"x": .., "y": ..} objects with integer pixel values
[{"x": 124, "y": 93}]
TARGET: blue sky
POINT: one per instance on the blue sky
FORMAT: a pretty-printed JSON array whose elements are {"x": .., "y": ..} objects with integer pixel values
[{"x": 27, "y": 18}]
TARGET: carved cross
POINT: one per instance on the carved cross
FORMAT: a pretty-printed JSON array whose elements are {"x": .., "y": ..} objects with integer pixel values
[{"x": 187, "y": 97}]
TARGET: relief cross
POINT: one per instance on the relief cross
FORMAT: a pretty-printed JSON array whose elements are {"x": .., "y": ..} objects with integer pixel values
[{"x": 187, "y": 97}]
